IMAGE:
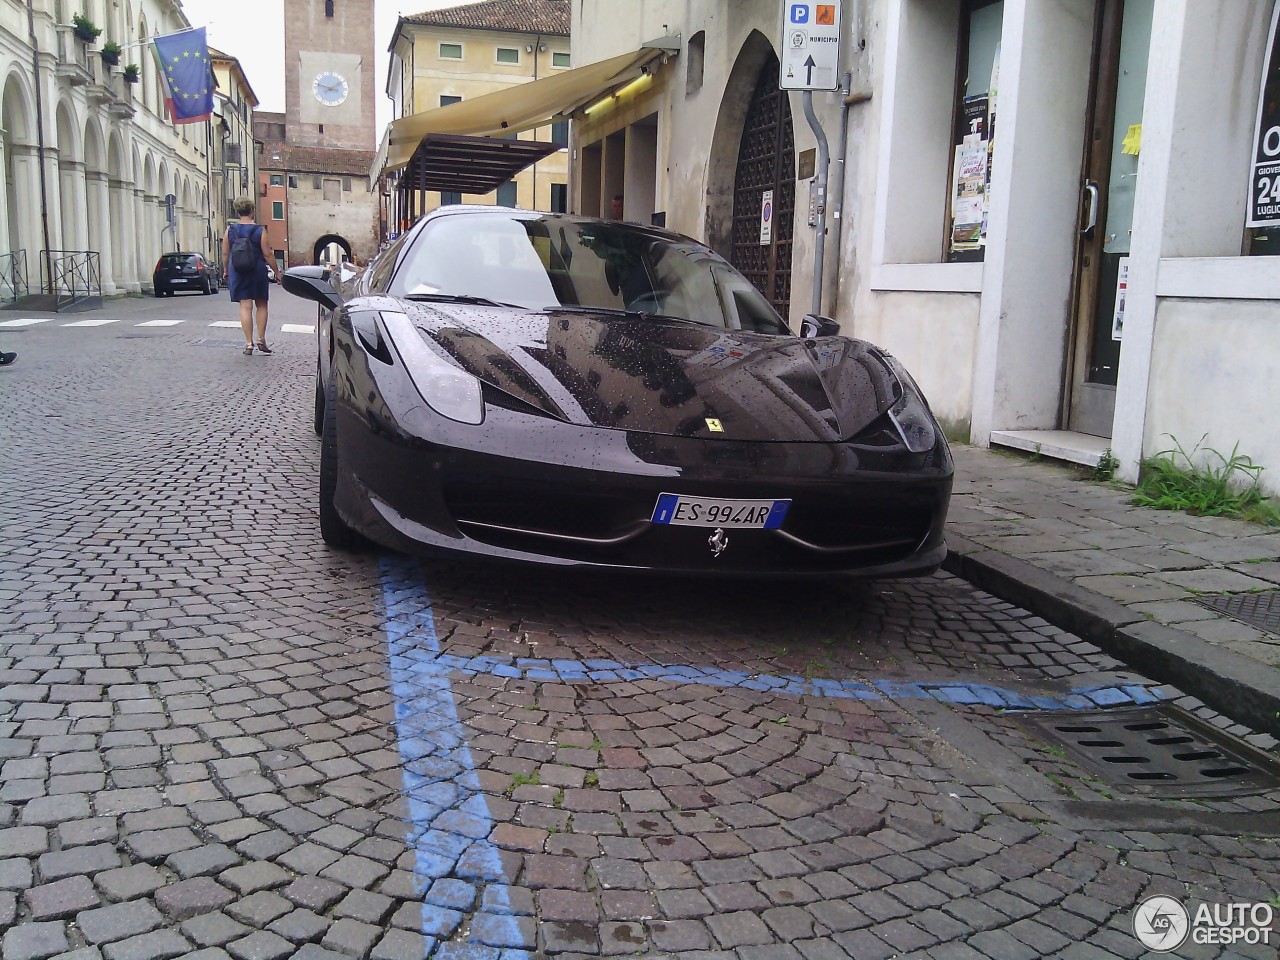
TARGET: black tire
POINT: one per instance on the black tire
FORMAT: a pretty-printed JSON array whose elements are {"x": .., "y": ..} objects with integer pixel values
[
  {"x": 208, "y": 288},
  {"x": 318, "y": 420},
  {"x": 159, "y": 291},
  {"x": 333, "y": 529}
]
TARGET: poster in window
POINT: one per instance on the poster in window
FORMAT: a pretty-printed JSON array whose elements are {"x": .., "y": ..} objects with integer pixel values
[
  {"x": 1264, "y": 185},
  {"x": 969, "y": 179},
  {"x": 1122, "y": 294},
  {"x": 990, "y": 133}
]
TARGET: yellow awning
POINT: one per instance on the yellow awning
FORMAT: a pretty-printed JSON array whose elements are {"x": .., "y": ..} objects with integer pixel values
[{"x": 514, "y": 109}]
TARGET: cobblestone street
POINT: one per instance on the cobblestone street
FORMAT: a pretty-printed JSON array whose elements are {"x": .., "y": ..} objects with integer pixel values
[{"x": 220, "y": 739}]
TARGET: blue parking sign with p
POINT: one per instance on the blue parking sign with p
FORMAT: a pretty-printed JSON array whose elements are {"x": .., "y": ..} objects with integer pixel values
[{"x": 799, "y": 13}]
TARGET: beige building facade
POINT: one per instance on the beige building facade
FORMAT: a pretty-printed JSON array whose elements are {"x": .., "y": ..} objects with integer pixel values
[
  {"x": 94, "y": 149},
  {"x": 234, "y": 155},
  {"x": 446, "y": 56}
]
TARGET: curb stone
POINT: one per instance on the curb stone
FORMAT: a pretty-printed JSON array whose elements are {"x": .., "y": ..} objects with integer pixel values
[{"x": 1230, "y": 683}]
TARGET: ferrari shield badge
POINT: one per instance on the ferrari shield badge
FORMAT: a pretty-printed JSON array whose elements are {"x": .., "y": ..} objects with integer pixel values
[
  {"x": 714, "y": 425},
  {"x": 717, "y": 541}
]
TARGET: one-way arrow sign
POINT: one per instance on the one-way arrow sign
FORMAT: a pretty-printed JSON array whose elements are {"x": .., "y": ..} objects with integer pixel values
[{"x": 810, "y": 45}]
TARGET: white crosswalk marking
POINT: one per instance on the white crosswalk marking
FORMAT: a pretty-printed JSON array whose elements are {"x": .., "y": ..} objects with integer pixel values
[
  {"x": 159, "y": 323},
  {"x": 24, "y": 321},
  {"x": 100, "y": 322},
  {"x": 226, "y": 323},
  {"x": 297, "y": 328}
]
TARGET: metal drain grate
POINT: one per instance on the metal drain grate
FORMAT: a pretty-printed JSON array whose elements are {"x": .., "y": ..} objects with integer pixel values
[
  {"x": 1160, "y": 751},
  {"x": 1261, "y": 610}
]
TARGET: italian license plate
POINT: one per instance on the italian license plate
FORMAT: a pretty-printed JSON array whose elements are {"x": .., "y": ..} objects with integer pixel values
[{"x": 681, "y": 511}]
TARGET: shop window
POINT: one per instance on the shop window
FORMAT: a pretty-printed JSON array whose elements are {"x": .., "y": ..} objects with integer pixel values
[
  {"x": 450, "y": 51},
  {"x": 560, "y": 59},
  {"x": 277, "y": 209},
  {"x": 693, "y": 69},
  {"x": 977, "y": 76},
  {"x": 559, "y": 197},
  {"x": 508, "y": 55}
]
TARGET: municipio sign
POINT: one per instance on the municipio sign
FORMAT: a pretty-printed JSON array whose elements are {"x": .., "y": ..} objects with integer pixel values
[{"x": 810, "y": 45}]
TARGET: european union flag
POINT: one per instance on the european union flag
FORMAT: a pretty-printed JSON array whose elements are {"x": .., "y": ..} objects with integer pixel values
[{"x": 184, "y": 58}]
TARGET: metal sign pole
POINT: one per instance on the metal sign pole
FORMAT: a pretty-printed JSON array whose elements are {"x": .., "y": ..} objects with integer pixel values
[
  {"x": 821, "y": 211},
  {"x": 810, "y": 45}
]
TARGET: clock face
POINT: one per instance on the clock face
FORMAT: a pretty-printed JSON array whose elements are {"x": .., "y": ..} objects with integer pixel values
[{"x": 330, "y": 88}]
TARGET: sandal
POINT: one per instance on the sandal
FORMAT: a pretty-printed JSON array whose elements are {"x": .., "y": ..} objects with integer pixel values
[
  {"x": 262, "y": 347},
  {"x": 248, "y": 349}
]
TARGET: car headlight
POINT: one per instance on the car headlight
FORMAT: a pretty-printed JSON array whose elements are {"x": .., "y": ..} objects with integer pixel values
[
  {"x": 450, "y": 392},
  {"x": 910, "y": 413}
]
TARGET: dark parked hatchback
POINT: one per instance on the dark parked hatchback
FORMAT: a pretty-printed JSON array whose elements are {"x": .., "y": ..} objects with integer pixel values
[{"x": 183, "y": 271}]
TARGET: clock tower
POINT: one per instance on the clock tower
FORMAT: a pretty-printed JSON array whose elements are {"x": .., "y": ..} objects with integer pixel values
[{"x": 329, "y": 81}]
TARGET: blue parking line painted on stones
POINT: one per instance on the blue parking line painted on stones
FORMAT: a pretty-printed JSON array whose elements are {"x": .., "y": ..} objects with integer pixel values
[
  {"x": 449, "y": 821},
  {"x": 596, "y": 671}
]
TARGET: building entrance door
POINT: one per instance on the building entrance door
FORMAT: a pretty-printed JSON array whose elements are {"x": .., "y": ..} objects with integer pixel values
[
  {"x": 764, "y": 191},
  {"x": 1118, "y": 82}
]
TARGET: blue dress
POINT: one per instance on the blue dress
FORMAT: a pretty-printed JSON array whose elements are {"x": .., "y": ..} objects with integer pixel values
[{"x": 250, "y": 285}]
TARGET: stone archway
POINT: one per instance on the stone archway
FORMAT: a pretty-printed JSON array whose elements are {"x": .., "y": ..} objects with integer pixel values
[
  {"x": 752, "y": 150},
  {"x": 20, "y": 229},
  {"x": 324, "y": 248},
  {"x": 97, "y": 203},
  {"x": 71, "y": 184}
]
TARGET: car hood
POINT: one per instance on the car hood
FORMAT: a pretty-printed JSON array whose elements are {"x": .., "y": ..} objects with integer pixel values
[{"x": 665, "y": 377}]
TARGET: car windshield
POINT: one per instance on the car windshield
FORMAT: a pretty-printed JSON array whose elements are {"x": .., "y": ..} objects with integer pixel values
[{"x": 555, "y": 263}]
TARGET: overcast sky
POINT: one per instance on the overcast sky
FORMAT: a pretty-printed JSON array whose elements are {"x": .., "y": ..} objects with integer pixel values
[{"x": 253, "y": 32}]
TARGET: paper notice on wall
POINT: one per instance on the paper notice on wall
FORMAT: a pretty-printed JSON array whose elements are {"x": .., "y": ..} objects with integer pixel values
[
  {"x": 1132, "y": 142},
  {"x": 968, "y": 193},
  {"x": 1122, "y": 291}
]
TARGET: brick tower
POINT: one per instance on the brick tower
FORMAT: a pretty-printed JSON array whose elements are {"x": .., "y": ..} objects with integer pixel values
[{"x": 329, "y": 74}]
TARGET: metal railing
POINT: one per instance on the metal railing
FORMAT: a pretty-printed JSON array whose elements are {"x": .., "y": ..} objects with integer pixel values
[
  {"x": 13, "y": 276},
  {"x": 71, "y": 274}
]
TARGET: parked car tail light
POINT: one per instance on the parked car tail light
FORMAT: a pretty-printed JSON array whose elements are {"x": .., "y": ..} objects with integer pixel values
[
  {"x": 158, "y": 263},
  {"x": 448, "y": 391},
  {"x": 200, "y": 267}
]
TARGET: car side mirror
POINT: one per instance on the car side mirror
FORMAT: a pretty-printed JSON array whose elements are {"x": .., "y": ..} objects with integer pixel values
[
  {"x": 813, "y": 326},
  {"x": 311, "y": 283}
]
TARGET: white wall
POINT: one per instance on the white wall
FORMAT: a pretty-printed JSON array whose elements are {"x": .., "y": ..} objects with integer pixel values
[{"x": 1214, "y": 371}]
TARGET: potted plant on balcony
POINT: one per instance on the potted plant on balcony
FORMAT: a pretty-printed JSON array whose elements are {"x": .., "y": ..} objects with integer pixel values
[
  {"x": 111, "y": 53},
  {"x": 131, "y": 73},
  {"x": 84, "y": 28}
]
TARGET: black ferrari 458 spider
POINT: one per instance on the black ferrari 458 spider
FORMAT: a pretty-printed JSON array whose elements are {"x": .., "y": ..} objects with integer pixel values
[{"x": 563, "y": 390}]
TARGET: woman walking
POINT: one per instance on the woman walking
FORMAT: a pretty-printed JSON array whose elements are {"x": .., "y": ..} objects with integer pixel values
[{"x": 245, "y": 251}]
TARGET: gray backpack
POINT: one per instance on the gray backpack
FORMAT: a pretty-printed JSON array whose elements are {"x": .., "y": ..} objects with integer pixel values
[{"x": 244, "y": 252}]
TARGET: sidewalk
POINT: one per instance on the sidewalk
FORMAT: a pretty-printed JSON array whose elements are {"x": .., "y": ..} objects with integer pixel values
[{"x": 1127, "y": 578}]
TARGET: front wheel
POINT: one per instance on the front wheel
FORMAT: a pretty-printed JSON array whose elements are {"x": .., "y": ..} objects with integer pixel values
[{"x": 333, "y": 529}]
